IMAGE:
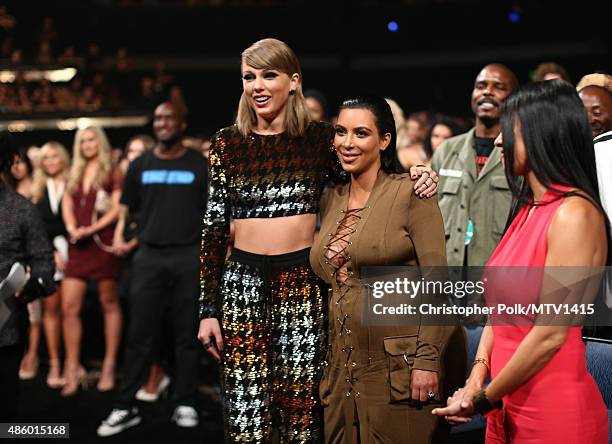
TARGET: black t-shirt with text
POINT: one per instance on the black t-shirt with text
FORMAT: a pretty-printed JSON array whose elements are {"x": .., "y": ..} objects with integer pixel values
[{"x": 169, "y": 196}]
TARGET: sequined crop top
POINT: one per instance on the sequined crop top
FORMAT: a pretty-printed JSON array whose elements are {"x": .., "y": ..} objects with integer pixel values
[{"x": 259, "y": 176}]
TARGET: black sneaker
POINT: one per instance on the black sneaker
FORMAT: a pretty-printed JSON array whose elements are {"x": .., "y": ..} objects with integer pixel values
[{"x": 118, "y": 421}]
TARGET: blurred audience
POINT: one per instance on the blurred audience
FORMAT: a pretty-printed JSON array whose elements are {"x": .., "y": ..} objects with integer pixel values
[
  {"x": 550, "y": 71},
  {"x": 33, "y": 154},
  {"x": 20, "y": 180},
  {"x": 410, "y": 133},
  {"x": 441, "y": 129},
  {"x": 417, "y": 124},
  {"x": 48, "y": 188},
  {"x": 134, "y": 148},
  {"x": 474, "y": 194},
  {"x": 317, "y": 105},
  {"x": 125, "y": 244},
  {"x": 598, "y": 79},
  {"x": 598, "y": 103},
  {"x": 7, "y": 21},
  {"x": 90, "y": 210},
  {"x": 90, "y": 91},
  {"x": 400, "y": 124},
  {"x": 23, "y": 240},
  {"x": 21, "y": 173},
  {"x": 48, "y": 33}
]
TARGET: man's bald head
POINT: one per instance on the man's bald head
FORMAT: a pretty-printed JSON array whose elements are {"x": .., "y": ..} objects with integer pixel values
[
  {"x": 598, "y": 104},
  {"x": 178, "y": 110},
  {"x": 512, "y": 79},
  {"x": 169, "y": 122}
]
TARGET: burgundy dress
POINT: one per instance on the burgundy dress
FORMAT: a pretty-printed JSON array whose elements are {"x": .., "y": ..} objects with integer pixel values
[
  {"x": 561, "y": 403},
  {"x": 87, "y": 258}
]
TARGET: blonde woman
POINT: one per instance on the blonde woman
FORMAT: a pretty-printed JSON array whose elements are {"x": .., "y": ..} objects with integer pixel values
[
  {"x": 48, "y": 187},
  {"x": 400, "y": 124},
  {"x": 263, "y": 311},
  {"x": 408, "y": 153},
  {"x": 90, "y": 211}
]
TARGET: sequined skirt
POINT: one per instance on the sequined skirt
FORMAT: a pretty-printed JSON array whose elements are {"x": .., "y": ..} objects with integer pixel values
[{"x": 274, "y": 327}]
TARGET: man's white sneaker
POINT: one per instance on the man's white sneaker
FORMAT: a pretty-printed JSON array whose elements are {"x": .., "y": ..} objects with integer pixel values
[
  {"x": 118, "y": 421},
  {"x": 185, "y": 416}
]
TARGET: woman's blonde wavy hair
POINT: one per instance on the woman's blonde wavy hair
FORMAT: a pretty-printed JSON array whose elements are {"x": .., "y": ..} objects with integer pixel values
[
  {"x": 40, "y": 176},
  {"x": 401, "y": 125},
  {"x": 78, "y": 162},
  {"x": 272, "y": 53}
]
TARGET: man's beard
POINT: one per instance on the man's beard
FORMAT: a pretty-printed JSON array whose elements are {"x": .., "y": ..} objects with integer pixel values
[
  {"x": 167, "y": 145},
  {"x": 489, "y": 121}
]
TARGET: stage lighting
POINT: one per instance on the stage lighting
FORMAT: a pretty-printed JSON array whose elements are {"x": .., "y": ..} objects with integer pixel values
[
  {"x": 35, "y": 74},
  {"x": 515, "y": 14},
  {"x": 393, "y": 26}
]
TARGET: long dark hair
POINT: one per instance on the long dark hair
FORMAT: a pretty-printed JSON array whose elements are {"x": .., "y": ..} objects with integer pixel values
[
  {"x": 450, "y": 123},
  {"x": 8, "y": 150},
  {"x": 558, "y": 141},
  {"x": 21, "y": 154},
  {"x": 383, "y": 118}
]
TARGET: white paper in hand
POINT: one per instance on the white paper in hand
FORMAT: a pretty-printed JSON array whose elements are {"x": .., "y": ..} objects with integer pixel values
[{"x": 12, "y": 283}]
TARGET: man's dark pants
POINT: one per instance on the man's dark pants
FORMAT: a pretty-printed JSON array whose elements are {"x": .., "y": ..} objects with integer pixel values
[{"x": 162, "y": 277}]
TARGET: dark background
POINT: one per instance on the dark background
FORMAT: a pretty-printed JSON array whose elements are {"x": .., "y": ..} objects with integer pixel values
[{"x": 344, "y": 46}]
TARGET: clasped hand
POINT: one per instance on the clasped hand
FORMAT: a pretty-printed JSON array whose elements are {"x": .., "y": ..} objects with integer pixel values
[
  {"x": 423, "y": 383},
  {"x": 459, "y": 407},
  {"x": 79, "y": 233}
]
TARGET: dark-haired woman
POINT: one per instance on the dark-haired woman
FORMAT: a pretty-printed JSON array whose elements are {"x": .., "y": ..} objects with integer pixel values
[
  {"x": 387, "y": 379},
  {"x": 267, "y": 172},
  {"x": 540, "y": 390},
  {"x": 21, "y": 174},
  {"x": 21, "y": 181},
  {"x": 22, "y": 239},
  {"x": 441, "y": 129}
]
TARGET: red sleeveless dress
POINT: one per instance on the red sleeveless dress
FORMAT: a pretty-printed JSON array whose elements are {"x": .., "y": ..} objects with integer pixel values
[
  {"x": 560, "y": 404},
  {"x": 86, "y": 259}
]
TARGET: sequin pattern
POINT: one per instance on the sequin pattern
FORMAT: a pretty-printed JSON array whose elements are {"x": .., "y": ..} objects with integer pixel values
[
  {"x": 258, "y": 176},
  {"x": 274, "y": 328}
]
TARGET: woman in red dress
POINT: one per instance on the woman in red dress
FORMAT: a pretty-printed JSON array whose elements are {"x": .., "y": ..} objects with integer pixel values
[
  {"x": 541, "y": 391},
  {"x": 90, "y": 210}
]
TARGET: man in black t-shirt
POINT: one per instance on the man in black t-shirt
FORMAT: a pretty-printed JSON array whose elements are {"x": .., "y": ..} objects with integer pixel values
[{"x": 167, "y": 188}]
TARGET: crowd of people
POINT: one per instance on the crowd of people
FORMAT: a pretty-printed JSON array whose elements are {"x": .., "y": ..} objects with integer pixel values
[
  {"x": 244, "y": 268},
  {"x": 96, "y": 86}
]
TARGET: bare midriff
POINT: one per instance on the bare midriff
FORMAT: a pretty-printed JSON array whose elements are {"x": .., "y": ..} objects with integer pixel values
[{"x": 277, "y": 235}]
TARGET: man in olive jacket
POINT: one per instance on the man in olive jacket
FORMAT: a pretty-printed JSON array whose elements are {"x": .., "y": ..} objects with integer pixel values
[{"x": 474, "y": 196}]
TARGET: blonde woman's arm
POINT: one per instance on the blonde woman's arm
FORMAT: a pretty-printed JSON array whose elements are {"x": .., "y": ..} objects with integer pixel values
[
  {"x": 109, "y": 218},
  {"x": 68, "y": 215}
]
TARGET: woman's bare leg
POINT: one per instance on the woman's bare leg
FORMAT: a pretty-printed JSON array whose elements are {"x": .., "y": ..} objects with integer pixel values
[
  {"x": 155, "y": 379},
  {"x": 52, "y": 327},
  {"x": 73, "y": 292},
  {"x": 113, "y": 321},
  {"x": 29, "y": 362}
]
